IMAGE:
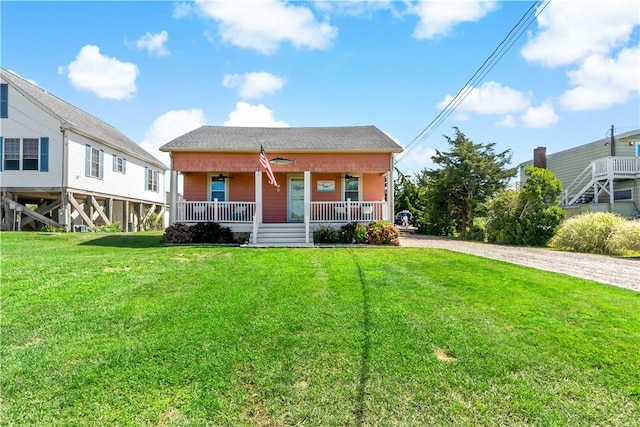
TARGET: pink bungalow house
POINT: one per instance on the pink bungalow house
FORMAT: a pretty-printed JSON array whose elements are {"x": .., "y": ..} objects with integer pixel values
[{"x": 331, "y": 175}]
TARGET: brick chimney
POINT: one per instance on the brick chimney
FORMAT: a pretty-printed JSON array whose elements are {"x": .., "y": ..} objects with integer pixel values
[{"x": 540, "y": 157}]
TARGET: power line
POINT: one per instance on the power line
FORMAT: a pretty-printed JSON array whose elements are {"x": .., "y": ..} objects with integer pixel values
[{"x": 498, "y": 53}]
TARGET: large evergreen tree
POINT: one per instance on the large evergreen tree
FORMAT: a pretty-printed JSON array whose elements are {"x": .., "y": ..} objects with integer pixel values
[{"x": 465, "y": 177}]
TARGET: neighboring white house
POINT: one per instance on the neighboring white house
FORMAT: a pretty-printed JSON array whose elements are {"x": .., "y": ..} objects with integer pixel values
[{"x": 63, "y": 167}]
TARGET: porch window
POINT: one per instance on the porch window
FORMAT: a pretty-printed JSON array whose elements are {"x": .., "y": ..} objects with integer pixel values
[
  {"x": 352, "y": 188},
  {"x": 218, "y": 189}
]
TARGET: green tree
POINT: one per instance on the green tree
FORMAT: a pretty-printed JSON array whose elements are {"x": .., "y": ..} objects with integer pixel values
[
  {"x": 528, "y": 216},
  {"x": 467, "y": 176}
]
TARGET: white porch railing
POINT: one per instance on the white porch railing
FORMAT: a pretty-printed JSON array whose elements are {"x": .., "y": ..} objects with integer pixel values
[
  {"x": 348, "y": 211},
  {"x": 232, "y": 212},
  {"x": 628, "y": 166}
]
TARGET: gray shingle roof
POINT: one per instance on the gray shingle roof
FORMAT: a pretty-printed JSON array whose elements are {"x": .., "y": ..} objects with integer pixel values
[
  {"x": 248, "y": 139},
  {"x": 79, "y": 120}
]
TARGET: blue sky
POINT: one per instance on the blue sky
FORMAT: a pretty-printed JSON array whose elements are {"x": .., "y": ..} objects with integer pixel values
[{"x": 158, "y": 69}]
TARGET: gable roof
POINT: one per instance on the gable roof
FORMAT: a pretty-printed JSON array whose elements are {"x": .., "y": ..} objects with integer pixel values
[
  {"x": 318, "y": 139},
  {"x": 78, "y": 120}
]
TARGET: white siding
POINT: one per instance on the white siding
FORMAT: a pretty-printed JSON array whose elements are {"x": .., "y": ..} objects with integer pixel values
[
  {"x": 128, "y": 185},
  {"x": 28, "y": 121}
]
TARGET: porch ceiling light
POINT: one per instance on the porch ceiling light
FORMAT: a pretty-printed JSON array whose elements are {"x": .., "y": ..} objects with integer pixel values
[{"x": 347, "y": 176}]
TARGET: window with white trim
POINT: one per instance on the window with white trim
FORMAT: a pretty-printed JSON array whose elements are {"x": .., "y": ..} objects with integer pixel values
[
  {"x": 21, "y": 154},
  {"x": 352, "y": 188},
  {"x": 218, "y": 189},
  {"x": 119, "y": 164},
  {"x": 152, "y": 180},
  {"x": 94, "y": 162},
  {"x": 30, "y": 147},
  {"x": 622, "y": 195},
  {"x": 11, "y": 154}
]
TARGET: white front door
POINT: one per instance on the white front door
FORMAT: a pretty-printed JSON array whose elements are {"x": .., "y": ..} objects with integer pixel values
[{"x": 296, "y": 199}]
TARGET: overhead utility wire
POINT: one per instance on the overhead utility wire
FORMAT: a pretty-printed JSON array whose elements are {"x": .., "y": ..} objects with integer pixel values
[
  {"x": 514, "y": 34},
  {"x": 476, "y": 80},
  {"x": 469, "y": 85}
]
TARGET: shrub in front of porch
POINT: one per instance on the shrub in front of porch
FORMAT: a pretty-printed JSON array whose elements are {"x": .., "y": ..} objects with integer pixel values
[
  {"x": 326, "y": 234},
  {"x": 383, "y": 233},
  {"x": 178, "y": 233},
  {"x": 211, "y": 232},
  {"x": 353, "y": 233},
  {"x": 204, "y": 232}
]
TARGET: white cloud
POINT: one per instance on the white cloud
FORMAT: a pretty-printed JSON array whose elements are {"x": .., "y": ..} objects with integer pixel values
[
  {"x": 264, "y": 24},
  {"x": 253, "y": 85},
  {"x": 182, "y": 10},
  {"x": 247, "y": 114},
  {"x": 602, "y": 82},
  {"x": 437, "y": 18},
  {"x": 571, "y": 31},
  {"x": 168, "y": 126},
  {"x": 106, "y": 77},
  {"x": 490, "y": 98},
  {"x": 360, "y": 8},
  {"x": 416, "y": 160},
  {"x": 539, "y": 117},
  {"x": 508, "y": 121},
  {"x": 155, "y": 44}
]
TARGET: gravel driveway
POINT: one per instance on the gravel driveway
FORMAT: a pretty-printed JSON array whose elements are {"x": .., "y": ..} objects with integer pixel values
[{"x": 622, "y": 272}]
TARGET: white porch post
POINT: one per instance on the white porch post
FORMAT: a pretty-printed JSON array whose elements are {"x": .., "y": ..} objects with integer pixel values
[
  {"x": 257, "y": 218},
  {"x": 173, "y": 196},
  {"x": 390, "y": 197},
  {"x": 307, "y": 204}
]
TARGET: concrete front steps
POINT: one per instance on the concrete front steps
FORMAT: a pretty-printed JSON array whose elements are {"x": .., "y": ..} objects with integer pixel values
[{"x": 287, "y": 234}]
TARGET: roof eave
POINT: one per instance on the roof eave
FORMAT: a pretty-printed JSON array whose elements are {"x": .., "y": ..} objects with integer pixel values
[{"x": 271, "y": 151}]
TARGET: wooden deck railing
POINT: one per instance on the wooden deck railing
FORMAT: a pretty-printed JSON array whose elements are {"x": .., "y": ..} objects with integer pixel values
[{"x": 232, "y": 212}]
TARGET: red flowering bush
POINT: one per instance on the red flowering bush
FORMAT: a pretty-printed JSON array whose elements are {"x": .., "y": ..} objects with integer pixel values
[{"x": 383, "y": 233}]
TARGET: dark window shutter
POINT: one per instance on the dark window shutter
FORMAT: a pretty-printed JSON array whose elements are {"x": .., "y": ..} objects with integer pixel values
[
  {"x": 87, "y": 161},
  {"x": 44, "y": 154},
  {"x": 115, "y": 163},
  {"x": 101, "y": 168},
  {"x": 1, "y": 158},
  {"x": 4, "y": 100}
]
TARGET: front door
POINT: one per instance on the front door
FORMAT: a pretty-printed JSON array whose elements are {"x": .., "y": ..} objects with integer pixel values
[{"x": 296, "y": 199}]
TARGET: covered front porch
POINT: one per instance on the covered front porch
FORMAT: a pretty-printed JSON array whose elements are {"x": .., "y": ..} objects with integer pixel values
[{"x": 246, "y": 202}]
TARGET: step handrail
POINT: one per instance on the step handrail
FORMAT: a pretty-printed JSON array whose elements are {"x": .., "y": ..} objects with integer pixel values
[{"x": 586, "y": 176}]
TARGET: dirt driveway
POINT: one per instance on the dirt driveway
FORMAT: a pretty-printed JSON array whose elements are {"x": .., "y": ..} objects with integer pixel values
[{"x": 622, "y": 272}]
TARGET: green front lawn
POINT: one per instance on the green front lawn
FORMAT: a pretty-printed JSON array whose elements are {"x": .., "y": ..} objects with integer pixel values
[{"x": 121, "y": 330}]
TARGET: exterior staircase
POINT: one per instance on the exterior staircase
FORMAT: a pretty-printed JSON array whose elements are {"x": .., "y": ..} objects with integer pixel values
[{"x": 286, "y": 234}]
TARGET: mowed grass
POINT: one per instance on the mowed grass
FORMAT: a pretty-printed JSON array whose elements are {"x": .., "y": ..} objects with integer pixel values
[{"x": 122, "y": 330}]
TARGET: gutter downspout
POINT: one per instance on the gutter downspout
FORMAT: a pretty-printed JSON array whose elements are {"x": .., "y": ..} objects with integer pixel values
[{"x": 65, "y": 178}]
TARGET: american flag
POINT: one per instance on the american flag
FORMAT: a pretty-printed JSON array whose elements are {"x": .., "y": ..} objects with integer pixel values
[{"x": 265, "y": 164}]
